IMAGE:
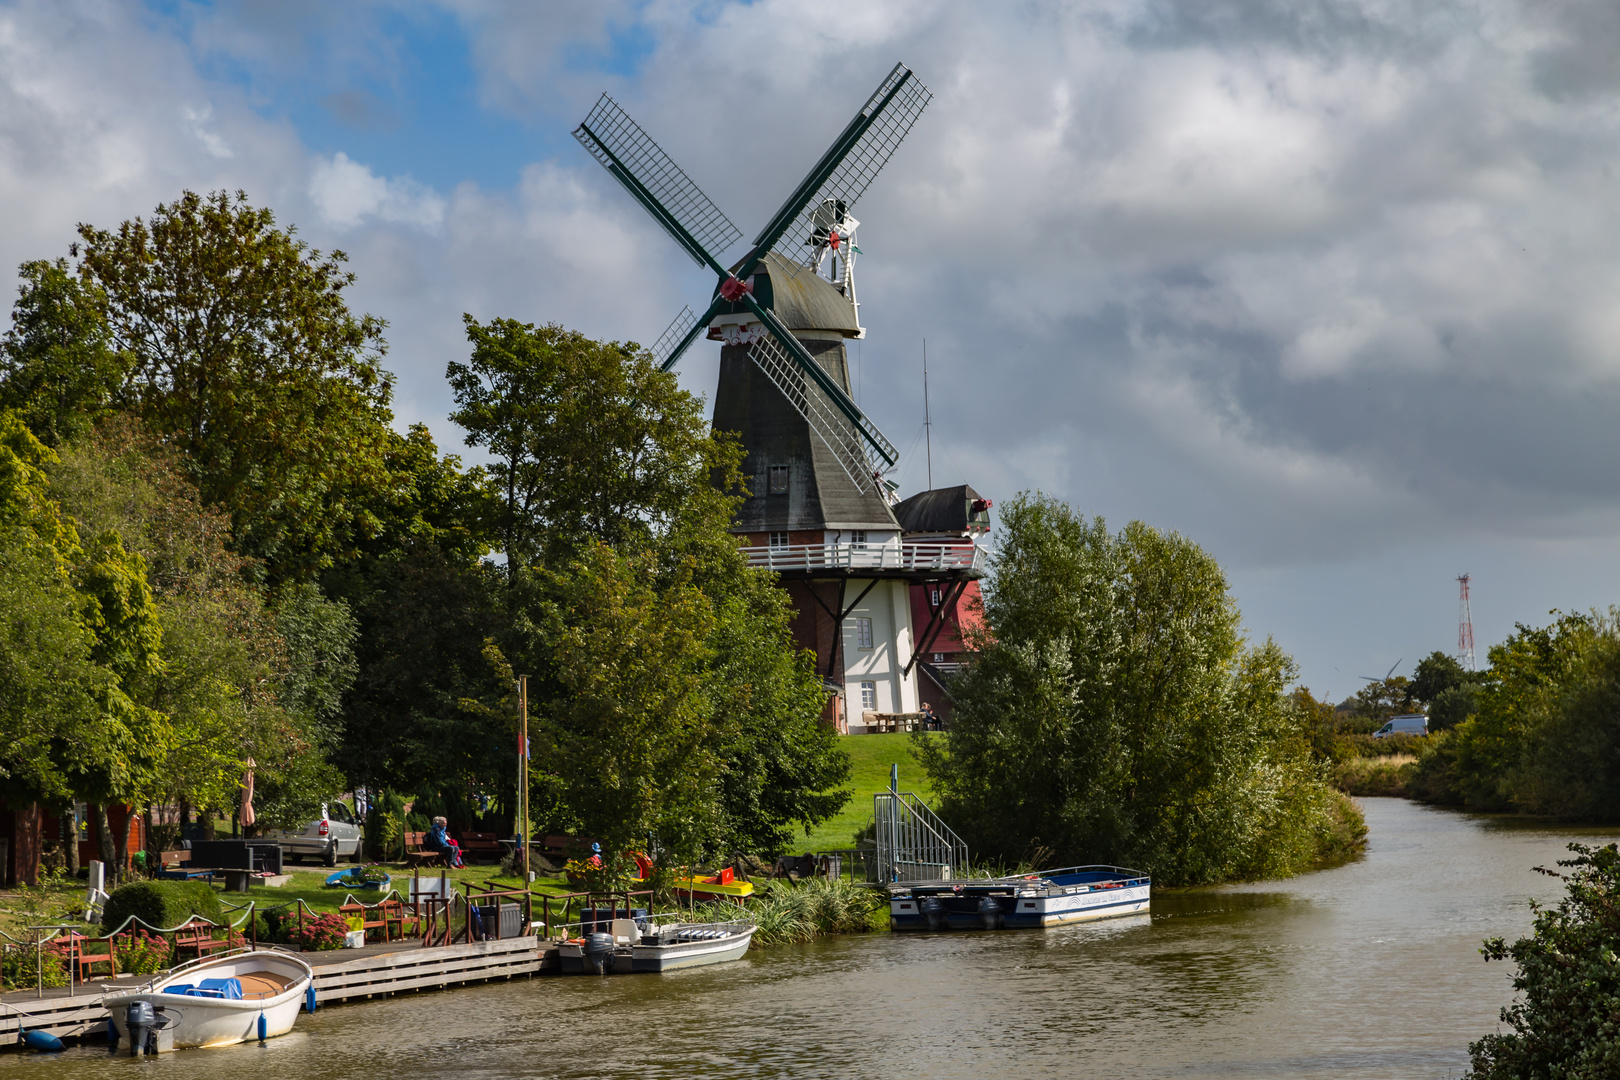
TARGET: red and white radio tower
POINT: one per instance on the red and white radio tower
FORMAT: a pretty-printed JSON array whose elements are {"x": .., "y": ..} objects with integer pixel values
[{"x": 1465, "y": 626}]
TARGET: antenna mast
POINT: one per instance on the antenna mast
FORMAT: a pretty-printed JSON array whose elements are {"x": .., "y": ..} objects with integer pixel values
[
  {"x": 928, "y": 427},
  {"x": 1465, "y": 626}
]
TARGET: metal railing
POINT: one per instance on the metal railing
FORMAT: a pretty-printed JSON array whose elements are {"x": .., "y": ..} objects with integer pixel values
[
  {"x": 913, "y": 844},
  {"x": 847, "y": 556}
]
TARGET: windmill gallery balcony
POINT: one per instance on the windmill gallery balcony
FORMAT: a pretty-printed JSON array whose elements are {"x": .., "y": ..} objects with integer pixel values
[{"x": 871, "y": 560}]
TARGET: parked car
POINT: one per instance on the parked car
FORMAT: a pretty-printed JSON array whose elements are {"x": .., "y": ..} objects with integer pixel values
[
  {"x": 335, "y": 835},
  {"x": 1414, "y": 724}
]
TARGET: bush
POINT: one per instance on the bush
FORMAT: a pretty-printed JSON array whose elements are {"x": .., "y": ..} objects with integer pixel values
[
  {"x": 791, "y": 914},
  {"x": 20, "y": 969},
  {"x": 1569, "y": 976},
  {"x": 321, "y": 934},
  {"x": 160, "y": 904},
  {"x": 142, "y": 953},
  {"x": 1354, "y": 746}
]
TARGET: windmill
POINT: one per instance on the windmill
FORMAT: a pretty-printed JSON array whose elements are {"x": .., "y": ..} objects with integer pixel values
[{"x": 815, "y": 216}]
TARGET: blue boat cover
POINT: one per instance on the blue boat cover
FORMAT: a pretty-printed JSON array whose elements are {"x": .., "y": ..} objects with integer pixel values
[{"x": 228, "y": 989}]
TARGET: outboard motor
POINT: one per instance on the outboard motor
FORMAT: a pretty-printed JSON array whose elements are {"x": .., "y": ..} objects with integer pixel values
[
  {"x": 933, "y": 909},
  {"x": 990, "y": 912},
  {"x": 599, "y": 953},
  {"x": 139, "y": 1020}
]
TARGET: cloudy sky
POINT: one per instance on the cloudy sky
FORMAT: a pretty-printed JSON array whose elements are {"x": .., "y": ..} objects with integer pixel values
[{"x": 1329, "y": 287}]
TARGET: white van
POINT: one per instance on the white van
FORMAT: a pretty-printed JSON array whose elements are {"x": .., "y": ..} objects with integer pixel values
[{"x": 1413, "y": 724}]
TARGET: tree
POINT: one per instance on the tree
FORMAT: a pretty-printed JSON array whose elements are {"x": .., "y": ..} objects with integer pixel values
[
  {"x": 1115, "y": 713},
  {"x": 593, "y": 444},
  {"x": 1434, "y": 675},
  {"x": 242, "y": 354},
  {"x": 1569, "y": 976},
  {"x": 58, "y": 371}
]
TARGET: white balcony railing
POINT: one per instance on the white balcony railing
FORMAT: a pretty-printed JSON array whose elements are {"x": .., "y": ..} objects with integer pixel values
[{"x": 905, "y": 557}]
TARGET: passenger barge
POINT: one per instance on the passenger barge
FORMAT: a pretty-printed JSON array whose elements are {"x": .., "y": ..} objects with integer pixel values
[{"x": 1049, "y": 898}]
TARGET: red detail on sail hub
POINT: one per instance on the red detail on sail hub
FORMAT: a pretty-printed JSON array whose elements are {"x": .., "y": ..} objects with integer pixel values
[{"x": 732, "y": 290}]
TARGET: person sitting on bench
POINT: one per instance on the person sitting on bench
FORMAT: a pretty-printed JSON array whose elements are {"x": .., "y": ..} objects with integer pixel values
[{"x": 439, "y": 839}]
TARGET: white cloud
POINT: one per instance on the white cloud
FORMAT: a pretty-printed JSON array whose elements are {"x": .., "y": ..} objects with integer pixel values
[{"x": 346, "y": 192}]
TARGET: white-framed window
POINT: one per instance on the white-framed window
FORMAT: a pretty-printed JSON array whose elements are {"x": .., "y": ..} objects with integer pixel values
[
  {"x": 778, "y": 479},
  {"x": 779, "y": 539},
  {"x": 868, "y": 697},
  {"x": 939, "y": 658},
  {"x": 934, "y": 597},
  {"x": 863, "y": 633},
  {"x": 857, "y": 539}
]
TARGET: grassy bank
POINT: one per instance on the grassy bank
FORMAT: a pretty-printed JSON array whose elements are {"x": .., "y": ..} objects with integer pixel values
[
  {"x": 870, "y": 757},
  {"x": 788, "y": 914}
]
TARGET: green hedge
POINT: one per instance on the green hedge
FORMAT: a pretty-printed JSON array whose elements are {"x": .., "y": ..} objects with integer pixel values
[{"x": 162, "y": 904}]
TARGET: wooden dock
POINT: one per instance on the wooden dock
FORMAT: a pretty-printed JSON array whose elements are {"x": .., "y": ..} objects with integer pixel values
[{"x": 340, "y": 975}]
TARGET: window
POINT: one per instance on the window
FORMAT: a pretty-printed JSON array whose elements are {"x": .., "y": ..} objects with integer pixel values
[
  {"x": 779, "y": 539},
  {"x": 939, "y": 658},
  {"x": 857, "y": 539},
  {"x": 863, "y": 633},
  {"x": 868, "y": 697},
  {"x": 779, "y": 479},
  {"x": 933, "y": 597}
]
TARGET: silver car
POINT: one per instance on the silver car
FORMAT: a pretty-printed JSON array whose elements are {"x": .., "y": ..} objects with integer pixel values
[{"x": 336, "y": 835}]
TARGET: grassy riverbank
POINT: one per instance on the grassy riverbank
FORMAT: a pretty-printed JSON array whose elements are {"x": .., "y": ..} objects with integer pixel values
[{"x": 870, "y": 757}]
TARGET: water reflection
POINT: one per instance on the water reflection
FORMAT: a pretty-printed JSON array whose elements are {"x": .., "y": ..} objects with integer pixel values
[{"x": 1370, "y": 970}]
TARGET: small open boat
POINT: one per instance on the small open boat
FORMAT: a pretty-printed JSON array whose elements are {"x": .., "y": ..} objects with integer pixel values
[
  {"x": 1049, "y": 898},
  {"x": 657, "y": 949},
  {"x": 219, "y": 1000},
  {"x": 721, "y": 886}
]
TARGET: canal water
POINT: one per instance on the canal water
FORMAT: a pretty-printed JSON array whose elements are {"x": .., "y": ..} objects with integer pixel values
[{"x": 1370, "y": 970}]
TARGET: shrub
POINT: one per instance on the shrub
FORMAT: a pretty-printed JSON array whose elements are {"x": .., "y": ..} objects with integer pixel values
[
  {"x": 321, "y": 934},
  {"x": 791, "y": 914},
  {"x": 20, "y": 969},
  {"x": 1569, "y": 976},
  {"x": 160, "y": 904},
  {"x": 142, "y": 953}
]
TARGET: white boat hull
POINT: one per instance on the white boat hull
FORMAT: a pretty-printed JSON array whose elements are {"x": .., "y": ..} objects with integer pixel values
[
  {"x": 1079, "y": 907},
  {"x": 190, "y": 1022}
]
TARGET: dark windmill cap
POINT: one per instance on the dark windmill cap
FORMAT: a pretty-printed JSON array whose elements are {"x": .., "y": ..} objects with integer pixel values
[{"x": 957, "y": 509}]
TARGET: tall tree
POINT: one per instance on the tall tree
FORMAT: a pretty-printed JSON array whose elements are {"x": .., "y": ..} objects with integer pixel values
[
  {"x": 592, "y": 443},
  {"x": 58, "y": 371},
  {"x": 1115, "y": 713},
  {"x": 241, "y": 352}
]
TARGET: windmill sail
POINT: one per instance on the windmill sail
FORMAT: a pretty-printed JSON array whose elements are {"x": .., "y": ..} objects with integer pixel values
[
  {"x": 679, "y": 329},
  {"x": 852, "y": 162},
  {"x": 649, "y": 174},
  {"x": 813, "y": 403}
]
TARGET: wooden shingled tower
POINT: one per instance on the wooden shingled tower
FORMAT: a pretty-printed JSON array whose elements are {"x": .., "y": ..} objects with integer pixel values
[{"x": 819, "y": 511}]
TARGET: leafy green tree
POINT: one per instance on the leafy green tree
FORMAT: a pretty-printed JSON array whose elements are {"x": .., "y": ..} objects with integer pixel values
[
  {"x": 1434, "y": 675},
  {"x": 1452, "y": 706},
  {"x": 58, "y": 371},
  {"x": 1569, "y": 978},
  {"x": 1115, "y": 713},
  {"x": 242, "y": 354},
  {"x": 592, "y": 443}
]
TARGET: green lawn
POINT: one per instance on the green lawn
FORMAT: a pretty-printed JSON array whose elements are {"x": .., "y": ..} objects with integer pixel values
[{"x": 870, "y": 757}]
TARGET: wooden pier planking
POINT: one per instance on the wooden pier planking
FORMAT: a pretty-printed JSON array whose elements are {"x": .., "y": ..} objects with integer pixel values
[{"x": 336, "y": 980}]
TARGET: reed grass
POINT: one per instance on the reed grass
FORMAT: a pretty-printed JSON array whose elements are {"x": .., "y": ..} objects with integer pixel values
[
  {"x": 1374, "y": 775},
  {"x": 787, "y": 914}
]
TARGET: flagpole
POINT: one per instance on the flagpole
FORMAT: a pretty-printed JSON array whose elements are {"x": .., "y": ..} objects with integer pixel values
[{"x": 523, "y": 772}]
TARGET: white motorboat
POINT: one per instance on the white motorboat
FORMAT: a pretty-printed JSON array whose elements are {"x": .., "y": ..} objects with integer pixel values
[
  {"x": 656, "y": 948},
  {"x": 219, "y": 1000}
]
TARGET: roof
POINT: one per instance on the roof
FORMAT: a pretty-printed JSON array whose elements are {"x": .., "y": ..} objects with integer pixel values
[
  {"x": 943, "y": 510},
  {"x": 801, "y": 298}
]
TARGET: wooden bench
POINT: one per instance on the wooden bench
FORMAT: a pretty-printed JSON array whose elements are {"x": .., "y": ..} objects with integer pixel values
[
  {"x": 562, "y": 846},
  {"x": 198, "y": 936},
  {"x": 474, "y": 844},
  {"x": 417, "y": 855},
  {"x": 371, "y": 917},
  {"x": 85, "y": 962},
  {"x": 395, "y": 912}
]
